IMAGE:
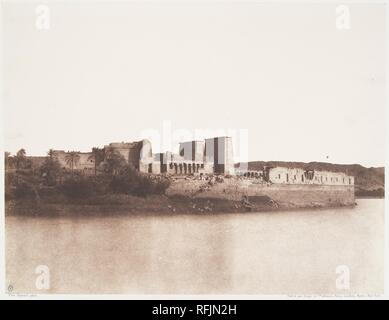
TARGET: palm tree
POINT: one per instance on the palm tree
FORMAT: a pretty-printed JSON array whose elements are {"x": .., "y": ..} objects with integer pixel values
[
  {"x": 51, "y": 154},
  {"x": 97, "y": 156},
  {"x": 20, "y": 159},
  {"x": 7, "y": 158},
  {"x": 21, "y": 153},
  {"x": 50, "y": 169},
  {"x": 71, "y": 159}
]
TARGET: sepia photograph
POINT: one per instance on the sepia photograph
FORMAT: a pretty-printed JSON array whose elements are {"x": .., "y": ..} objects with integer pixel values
[{"x": 194, "y": 148}]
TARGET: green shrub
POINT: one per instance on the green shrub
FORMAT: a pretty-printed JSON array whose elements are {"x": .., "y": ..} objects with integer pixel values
[
  {"x": 79, "y": 187},
  {"x": 23, "y": 190},
  {"x": 160, "y": 185},
  {"x": 151, "y": 185},
  {"x": 145, "y": 186},
  {"x": 126, "y": 181},
  {"x": 129, "y": 181}
]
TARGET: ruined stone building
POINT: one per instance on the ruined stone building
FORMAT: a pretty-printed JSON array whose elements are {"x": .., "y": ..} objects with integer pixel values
[
  {"x": 209, "y": 156},
  {"x": 213, "y": 155},
  {"x": 301, "y": 176},
  {"x": 283, "y": 175},
  {"x": 138, "y": 154}
]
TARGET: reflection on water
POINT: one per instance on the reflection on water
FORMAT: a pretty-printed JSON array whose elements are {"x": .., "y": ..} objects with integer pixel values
[{"x": 293, "y": 252}]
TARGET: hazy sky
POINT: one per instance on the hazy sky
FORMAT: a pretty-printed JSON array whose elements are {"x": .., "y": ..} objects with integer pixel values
[{"x": 303, "y": 90}]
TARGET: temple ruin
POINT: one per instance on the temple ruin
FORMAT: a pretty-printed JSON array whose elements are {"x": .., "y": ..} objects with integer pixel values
[{"x": 212, "y": 156}]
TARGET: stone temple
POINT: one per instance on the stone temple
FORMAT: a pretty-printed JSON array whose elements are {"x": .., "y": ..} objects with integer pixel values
[{"x": 212, "y": 156}]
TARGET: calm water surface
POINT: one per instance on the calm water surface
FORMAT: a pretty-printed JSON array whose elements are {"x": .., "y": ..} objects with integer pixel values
[{"x": 293, "y": 252}]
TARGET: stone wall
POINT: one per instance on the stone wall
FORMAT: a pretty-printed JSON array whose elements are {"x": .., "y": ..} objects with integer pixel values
[
  {"x": 300, "y": 176},
  {"x": 285, "y": 195}
]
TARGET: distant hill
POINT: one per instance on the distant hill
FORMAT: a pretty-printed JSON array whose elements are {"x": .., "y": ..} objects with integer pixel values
[{"x": 368, "y": 181}]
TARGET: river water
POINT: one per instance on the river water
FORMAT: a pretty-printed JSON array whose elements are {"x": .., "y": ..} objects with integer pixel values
[{"x": 293, "y": 252}]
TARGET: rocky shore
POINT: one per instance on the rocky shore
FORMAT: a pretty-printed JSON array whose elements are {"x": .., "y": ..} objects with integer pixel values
[{"x": 110, "y": 205}]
